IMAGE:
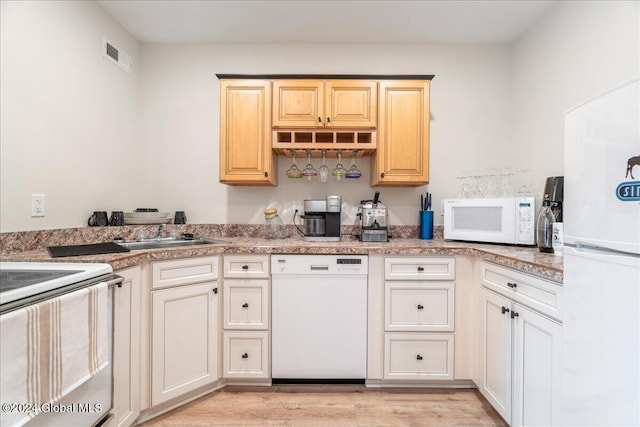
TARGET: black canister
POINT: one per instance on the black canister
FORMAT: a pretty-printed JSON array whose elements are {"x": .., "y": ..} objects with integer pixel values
[{"x": 180, "y": 218}]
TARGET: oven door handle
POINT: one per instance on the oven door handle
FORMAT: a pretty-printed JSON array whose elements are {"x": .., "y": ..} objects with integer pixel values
[{"x": 116, "y": 281}]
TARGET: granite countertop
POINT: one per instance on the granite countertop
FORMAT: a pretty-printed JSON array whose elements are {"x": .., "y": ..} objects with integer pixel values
[{"x": 525, "y": 259}]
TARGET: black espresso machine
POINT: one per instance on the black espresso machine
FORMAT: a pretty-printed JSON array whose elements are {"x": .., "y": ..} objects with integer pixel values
[{"x": 322, "y": 219}]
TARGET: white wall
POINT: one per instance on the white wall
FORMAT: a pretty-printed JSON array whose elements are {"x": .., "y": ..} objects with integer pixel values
[
  {"x": 92, "y": 137},
  {"x": 68, "y": 115},
  {"x": 470, "y": 109},
  {"x": 577, "y": 50}
]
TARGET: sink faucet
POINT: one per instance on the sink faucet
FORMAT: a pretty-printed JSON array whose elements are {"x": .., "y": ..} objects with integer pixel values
[{"x": 159, "y": 232}]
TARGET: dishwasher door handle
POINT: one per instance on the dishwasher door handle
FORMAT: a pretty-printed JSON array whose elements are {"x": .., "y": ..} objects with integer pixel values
[{"x": 319, "y": 267}]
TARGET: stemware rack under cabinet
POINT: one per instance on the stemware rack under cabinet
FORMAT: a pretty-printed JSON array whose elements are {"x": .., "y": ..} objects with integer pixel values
[{"x": 284, "y": 142}]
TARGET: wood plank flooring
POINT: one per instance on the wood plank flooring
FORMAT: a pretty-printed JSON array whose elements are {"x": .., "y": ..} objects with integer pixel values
[{"x": 333, "y": 405}]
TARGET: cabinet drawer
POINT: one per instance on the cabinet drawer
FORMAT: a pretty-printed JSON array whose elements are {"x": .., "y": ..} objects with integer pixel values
[
  {"x": 246, "y": 304},
  {"x": 246, "y": 355},
  {"x": 183, "y": 271},
  {"x": 246, "y": 266},
  {"x": 418, "y": 356},
  {"x": 419, "y": 306},
  {"x": 422, "y": 268},
  {"x": 539, "y": 294}
]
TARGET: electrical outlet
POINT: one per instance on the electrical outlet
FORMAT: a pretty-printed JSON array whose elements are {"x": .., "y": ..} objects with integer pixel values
[
  {"x": 297, "y": 206},
  {"x": 37, "y": 205}
]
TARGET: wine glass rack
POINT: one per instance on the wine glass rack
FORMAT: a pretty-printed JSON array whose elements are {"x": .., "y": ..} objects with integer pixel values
[{"x": 362, "y": 142}]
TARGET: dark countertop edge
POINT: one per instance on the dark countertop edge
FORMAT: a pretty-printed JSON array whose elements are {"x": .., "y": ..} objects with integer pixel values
[
  {"x": 121, "y": 261},
  {"x": 330, "y": 76}
]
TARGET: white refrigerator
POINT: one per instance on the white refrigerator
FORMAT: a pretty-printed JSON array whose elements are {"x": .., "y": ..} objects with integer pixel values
[{"x": 601, "y": 327}]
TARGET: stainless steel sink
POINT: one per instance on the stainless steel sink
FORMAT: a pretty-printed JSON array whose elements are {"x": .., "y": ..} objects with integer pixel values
[{"x": 169, "y": 243}]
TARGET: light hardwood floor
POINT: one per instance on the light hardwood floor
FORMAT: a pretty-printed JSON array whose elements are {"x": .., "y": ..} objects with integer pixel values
[{"x": 324, "y": 405}]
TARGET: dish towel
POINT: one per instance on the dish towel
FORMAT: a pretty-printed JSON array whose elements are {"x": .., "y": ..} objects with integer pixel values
[{"x": 48, "y": 349}]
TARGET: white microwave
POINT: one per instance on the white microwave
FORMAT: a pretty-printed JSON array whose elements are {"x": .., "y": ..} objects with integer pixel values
[{"x": 502, "y": 220}]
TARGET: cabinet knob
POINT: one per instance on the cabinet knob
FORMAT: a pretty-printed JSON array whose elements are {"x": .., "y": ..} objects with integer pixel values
[
  {"x": 245, "y": 267},
  {"x": 245, "y": 305},
  {"x": 418, "y": 357},
  {"x": 420, "y": 306},
  {"x": 512, "y": 285},
  {"x": 266, "y": 174},
  {"x": 215, "y": 291},
  {"x": 514, "y": 315},
  {"x": 245, "y": 355},
  {"x": 328, "y": 119},
  {"x": 382, "y": 175},
  {"x": 505, "y": 310},
  {"x": 319, "y": 119},
  {"x": 420, "y": 268}
]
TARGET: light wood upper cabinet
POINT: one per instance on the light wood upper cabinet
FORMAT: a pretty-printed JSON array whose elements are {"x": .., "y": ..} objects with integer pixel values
[
  {"x": 246, "y": 157},
  {"x": 319, "y": 103},
  {"x": 402, "y": 156}
]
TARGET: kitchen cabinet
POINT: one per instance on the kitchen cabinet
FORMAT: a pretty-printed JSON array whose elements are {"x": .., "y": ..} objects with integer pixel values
[
  {"x": 184, "y": 335},
  {"x": 419, "y": 318},
  {"x": 246, "y": 157},
  {"x": 304, "y": 103},
  {"x": 402, "y": 154},
  {"x": 126, "y": 348},
  {"x": 520, "y": 346},
  {"x": 246, "y": 317}
]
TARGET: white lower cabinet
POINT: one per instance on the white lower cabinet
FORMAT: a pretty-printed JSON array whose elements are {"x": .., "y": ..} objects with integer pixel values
[
  {"x": 184, "y": 331},
  {"x": 520, "y": 357},
  {"x": 419, "y": 301},
  {"x": 246, "y": 354},
  {"x": 246, "y": 319},
  {"x": 412, "y": 356},
  {"x": 126, "y": 348}
]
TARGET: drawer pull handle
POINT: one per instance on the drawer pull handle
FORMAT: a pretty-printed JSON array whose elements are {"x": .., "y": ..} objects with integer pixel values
[
  {"x": 245, "y": 267},
  {"x": 245, "y": 305},
  {"x": 512, "y": 285},
  {"x": 514, "y": 315},
  {"x": 420, "y": 268},
  {"x": 505, "y": 310},
  {"x": 420, "y": 306},
  {"x": 215, "y": 291},
  {"x": 245, "y": 355},
  {"x": 418, "y": 357}
]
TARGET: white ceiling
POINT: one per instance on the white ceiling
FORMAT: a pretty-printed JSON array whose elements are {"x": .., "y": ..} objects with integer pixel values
[{"x": 327, "y": 21}]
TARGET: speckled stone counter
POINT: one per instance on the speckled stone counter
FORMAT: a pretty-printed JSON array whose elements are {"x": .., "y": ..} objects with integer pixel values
[{"x": 31, "y": 246}]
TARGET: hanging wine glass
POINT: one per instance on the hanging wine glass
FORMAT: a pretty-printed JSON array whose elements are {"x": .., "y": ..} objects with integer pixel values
[
  {"x": 309, "y": 171},
  {"x": 353, "y": 172},
  {"x": 293, "y": 171},
  {"x": 323, "y": 170},
  {"x": 339, "y": 171}
]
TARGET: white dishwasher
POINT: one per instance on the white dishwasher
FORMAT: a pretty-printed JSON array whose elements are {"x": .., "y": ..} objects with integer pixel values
[{"x": 319, "y": 318}]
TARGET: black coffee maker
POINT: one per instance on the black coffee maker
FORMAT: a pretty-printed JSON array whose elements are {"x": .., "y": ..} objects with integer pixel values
[{"x": 554, "y": 192}]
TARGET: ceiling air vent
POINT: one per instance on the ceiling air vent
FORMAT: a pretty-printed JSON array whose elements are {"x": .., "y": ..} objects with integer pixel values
[{"x": 116, "y": 55}]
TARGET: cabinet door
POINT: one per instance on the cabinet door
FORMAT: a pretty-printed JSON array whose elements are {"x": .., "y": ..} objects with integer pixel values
[
  {"x": 246, "y": 304},
  {"x": 184, "y": 340},
  {"x": 245, "y": 133},
  {"x": 402, "y": 156},
  {"x": 419, "y": 306},
  {"x": 298, "y": 103},
  {"x": 246, "y": 355},
  {"x": 126, "y": 348},
  {"x": 351, "y": 103},
  {"x": 418, "y": 356},
  {"x": 495, "y": 370},
  {"x": 536, "y": 369}
]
